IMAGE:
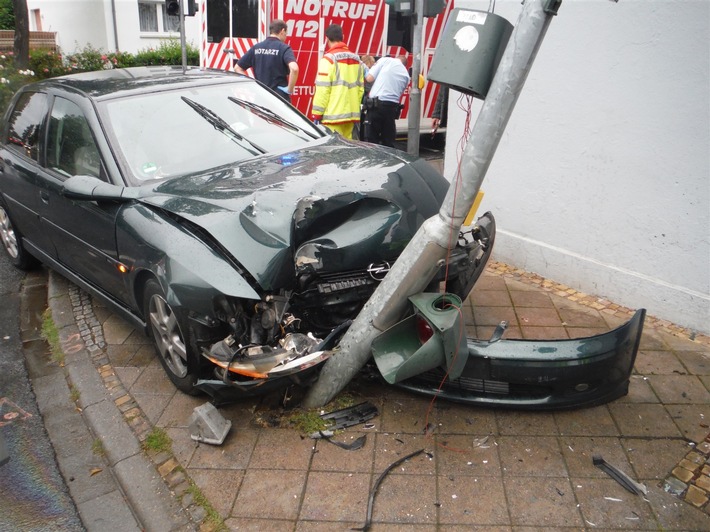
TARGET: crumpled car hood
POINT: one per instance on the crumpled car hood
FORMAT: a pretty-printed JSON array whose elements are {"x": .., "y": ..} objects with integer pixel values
[{"x": 352, "y": 203}]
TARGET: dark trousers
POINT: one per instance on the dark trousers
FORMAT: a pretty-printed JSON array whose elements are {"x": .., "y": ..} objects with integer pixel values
[{"x": 380, "y": 123}]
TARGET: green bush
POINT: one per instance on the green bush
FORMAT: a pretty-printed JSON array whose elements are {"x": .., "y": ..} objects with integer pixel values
[
  {"x": 90, "y": 59},
  {"x": 47, "y": 64},
  {"x": 11, "y": 79},
  {"x": 169, "y": 52}
]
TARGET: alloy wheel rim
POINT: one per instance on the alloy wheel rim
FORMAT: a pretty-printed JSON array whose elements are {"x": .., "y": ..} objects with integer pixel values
[
  {"x": 9, "y": 240},
  {"x": 167, "y": 335}
]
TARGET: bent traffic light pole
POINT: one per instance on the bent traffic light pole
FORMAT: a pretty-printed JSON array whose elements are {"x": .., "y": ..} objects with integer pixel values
[{"x": 422, "y": 257}]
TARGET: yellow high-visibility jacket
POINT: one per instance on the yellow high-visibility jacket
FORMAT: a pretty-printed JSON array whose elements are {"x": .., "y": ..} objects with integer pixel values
[{"x": 340, "y": 84}]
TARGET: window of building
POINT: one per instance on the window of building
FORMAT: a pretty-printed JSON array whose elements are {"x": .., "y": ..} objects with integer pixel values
[{"x": 154, "y": 19}]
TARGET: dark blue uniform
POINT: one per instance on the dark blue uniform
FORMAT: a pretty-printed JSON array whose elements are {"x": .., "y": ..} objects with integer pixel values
[{"x": 269, "y": 59}]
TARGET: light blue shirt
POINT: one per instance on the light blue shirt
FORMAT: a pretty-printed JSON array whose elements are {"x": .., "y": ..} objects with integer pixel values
[{"x": 391, "y": 79}]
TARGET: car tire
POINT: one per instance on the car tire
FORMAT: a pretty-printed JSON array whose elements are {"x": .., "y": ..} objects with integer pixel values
[
  {"x": 12, "y": 242},
  {"x": 171, "y": 342}
]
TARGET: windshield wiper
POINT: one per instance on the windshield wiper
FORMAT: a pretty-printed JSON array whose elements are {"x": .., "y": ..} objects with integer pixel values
[
  {"x": 268, "y": 115},
  {"x": 221, "y": 125}
]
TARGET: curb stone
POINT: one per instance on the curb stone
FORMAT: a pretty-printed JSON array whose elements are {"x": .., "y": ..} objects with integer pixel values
[{"x": 153, "y": 503}]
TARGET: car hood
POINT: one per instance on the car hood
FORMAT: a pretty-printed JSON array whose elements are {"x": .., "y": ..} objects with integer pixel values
[{"x": 332, "y": 206}]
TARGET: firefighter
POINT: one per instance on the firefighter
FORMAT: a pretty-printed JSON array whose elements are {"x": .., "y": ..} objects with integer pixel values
[
  {"x": 273, "y": 61},
  {"x": 340, "y": 86}
]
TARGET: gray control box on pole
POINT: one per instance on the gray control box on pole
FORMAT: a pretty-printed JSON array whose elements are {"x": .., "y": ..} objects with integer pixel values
[{"x": 470, "y": 49}]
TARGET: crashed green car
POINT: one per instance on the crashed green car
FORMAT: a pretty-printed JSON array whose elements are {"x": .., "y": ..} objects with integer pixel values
[
  {"x": 244, "y": 239},
  {"x": 202, "y": 207}
]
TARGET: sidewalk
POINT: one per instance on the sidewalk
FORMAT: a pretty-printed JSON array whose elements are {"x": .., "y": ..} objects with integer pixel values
[{"x": 487, "y": 469}]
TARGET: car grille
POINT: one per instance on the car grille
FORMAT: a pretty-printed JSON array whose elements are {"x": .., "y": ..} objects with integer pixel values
[
  {"x": 337, "y": 282},
  {"x": 467, "y": 385}
]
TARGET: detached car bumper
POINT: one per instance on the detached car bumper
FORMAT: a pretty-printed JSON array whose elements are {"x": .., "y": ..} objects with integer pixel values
[{"x": 521, "y": 374}]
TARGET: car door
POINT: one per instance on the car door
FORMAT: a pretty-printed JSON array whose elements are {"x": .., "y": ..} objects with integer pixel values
[
  {"x": 83, "y": 232},
  {"x": 20, "y": 169}
]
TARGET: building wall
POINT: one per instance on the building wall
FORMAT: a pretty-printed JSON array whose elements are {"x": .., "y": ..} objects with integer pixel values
[
  {"x": 601, "y": 180},
  {"x": 79, "y": 23}
]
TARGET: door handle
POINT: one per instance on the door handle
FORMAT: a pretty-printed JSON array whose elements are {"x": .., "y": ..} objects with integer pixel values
[{"x": 44, "y": 196}]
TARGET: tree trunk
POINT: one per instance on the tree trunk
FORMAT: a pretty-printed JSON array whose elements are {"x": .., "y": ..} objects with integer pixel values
[{"x": 21, "y": 48}]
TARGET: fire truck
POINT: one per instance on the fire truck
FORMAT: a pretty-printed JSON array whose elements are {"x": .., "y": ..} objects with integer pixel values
[{"x": 230, "y": 27}]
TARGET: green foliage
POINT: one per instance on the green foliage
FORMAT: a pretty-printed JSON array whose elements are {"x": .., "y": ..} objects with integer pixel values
[
  {"x": 7, "y": 15},
  {"x": 11, "y": 79},
  {"x": 48, "y": 64},
  {"x": 169, "y": 52},
  {"x": 89, "y": 59}
]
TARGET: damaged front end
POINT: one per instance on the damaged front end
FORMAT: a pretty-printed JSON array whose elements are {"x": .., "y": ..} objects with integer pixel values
[
  {"x": 285, "y": 338},
  {"x": 428, "y": 353},
  {"x": 267, "y": 347}
]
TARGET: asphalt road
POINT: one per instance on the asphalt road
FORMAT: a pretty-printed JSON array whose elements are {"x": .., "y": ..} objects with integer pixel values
[{"x": 33, "y": 494}]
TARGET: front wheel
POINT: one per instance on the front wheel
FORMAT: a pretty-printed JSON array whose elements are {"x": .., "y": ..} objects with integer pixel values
[
  {"x": 170, "y": 342},
  {"x": 12, "y": 242}
]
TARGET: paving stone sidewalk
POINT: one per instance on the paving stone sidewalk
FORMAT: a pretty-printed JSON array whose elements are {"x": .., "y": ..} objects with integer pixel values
[{"x": 482, "y": 469}]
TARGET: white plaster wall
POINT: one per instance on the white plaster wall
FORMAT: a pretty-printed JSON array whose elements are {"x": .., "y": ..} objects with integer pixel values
[
  {"x": 79, "y": 23},
  {"x": 602, "y": 178}
]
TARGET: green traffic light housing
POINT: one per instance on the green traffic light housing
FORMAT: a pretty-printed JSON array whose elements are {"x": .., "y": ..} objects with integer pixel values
[{"x": 434, "y": 336}]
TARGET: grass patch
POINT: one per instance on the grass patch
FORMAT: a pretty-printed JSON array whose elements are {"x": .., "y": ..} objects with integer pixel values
[
  {"x": 158, "y": 441},
  {"x": 97, "y": 447},
  {"x": 51, "y": 336},
  {"x": 215, "y": 521},
  {"x": 73, "y": 393}
]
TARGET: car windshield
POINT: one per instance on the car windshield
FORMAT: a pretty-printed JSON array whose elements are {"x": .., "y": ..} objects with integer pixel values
[{"x": 166, "y": 134}]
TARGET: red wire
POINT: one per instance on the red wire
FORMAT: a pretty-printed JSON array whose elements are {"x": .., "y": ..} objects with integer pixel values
[{"x": 464, "y": 103}]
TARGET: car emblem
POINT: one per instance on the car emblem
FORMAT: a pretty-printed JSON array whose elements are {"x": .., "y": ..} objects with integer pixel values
[{"x": 378, "y": 271}]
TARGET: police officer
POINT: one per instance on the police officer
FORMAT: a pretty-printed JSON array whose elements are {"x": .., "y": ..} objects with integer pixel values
[
  {"x": 389, "y": 78},
  {"x": 273, "y": 61}
]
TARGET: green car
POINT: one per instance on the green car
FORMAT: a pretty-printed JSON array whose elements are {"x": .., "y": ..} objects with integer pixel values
[{"x": 201, "y": 206}]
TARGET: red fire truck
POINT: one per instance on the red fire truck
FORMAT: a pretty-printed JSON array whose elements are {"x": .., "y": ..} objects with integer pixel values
[{"x": 230, "y": 27}]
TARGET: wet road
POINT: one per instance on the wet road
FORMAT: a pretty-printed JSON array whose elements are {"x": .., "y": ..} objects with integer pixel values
[{"x": 33, "y": 494}]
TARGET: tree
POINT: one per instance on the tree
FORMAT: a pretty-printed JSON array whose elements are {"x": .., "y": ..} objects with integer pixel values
[{"x": 21, "y": 47}]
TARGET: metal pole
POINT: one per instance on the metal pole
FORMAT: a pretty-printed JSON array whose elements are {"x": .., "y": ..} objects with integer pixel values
[
  {"x": 182, "y": 35},
  {"x": 426, "y": 252},
  {"x": 415, "y": 94}
]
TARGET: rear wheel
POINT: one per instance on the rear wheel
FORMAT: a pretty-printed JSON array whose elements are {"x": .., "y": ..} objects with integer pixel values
[
  {"x": 170, "y": 341},
  {"x": 12, "y": 242}
]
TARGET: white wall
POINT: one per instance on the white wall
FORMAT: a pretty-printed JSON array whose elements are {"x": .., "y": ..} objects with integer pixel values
[
  {"x": 602, "y": 178},
  {"x": 79, "y": 23}
]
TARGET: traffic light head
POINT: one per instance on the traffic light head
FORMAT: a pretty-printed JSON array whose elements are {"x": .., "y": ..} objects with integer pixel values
[{"x": 172, "y": 7}]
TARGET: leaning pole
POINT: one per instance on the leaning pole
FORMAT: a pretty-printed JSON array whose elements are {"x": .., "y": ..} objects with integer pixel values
[{"x": 423, "y": 256}]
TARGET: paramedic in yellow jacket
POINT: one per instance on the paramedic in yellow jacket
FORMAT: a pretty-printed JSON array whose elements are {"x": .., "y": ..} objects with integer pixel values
[{"x": 340, "y": 85}]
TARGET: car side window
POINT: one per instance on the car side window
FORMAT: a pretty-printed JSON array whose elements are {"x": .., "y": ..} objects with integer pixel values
[
  {"x": 71, "y": 148},
  {"x": 25, "y": 124}
]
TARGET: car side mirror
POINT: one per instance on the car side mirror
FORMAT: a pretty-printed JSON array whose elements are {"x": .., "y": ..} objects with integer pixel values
[{"x": 85, "y": 187}]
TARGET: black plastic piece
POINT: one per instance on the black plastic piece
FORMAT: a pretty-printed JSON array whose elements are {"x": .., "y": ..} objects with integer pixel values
[
  {"x": 622, "y": 478},
  {"x": 347, "y": 417}
]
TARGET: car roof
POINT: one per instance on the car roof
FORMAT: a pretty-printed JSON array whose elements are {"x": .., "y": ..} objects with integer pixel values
[{"x": 126, "y": 81}]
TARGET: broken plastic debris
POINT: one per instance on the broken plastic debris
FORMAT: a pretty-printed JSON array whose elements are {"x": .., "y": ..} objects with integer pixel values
[
  {"x": 359, "y": 443},
  {"x": 371, "y": 500},
  {"x": 622, "y": 478},
  {"x": 347, "y": 417},
  {"x": 207, "y": 425}
]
